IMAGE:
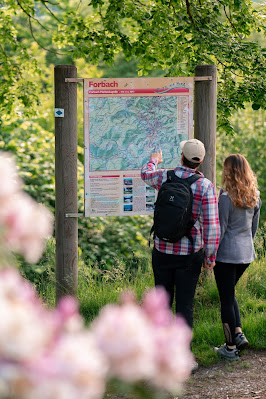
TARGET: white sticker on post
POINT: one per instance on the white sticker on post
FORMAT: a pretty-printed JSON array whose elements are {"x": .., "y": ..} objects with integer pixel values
[{"x": 59, "y": 112}]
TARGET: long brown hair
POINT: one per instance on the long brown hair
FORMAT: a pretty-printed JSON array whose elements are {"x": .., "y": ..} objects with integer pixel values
[{"x": 239, "y": 181}]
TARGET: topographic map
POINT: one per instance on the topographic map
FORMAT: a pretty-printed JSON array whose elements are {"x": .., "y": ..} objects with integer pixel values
[{"x": 124, "y": 131}]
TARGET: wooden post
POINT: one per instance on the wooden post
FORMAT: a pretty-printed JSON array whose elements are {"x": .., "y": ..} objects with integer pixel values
[
  {"x": 205, "y": 109},
  {"x": 66, "y": 202}
]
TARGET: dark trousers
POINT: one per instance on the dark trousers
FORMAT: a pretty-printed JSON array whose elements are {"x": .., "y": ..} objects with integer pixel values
[
  {"x": 226, "y": 276},
  {"x": 179, "y": 275}
]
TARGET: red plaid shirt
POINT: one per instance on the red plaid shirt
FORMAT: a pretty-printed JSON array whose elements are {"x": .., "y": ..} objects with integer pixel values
[{"x": 206, "y": 230}]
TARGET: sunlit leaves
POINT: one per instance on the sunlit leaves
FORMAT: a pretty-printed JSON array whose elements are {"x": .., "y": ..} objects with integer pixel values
[{"x": 170, "y": 35}]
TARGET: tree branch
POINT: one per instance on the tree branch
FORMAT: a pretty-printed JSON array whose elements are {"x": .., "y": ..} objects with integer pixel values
[
  {"x": 30, "y": 16},
  {"x": 173, "y": 8},
  {"x": 189, "y": 11},
  {"x": 53, "y": 15},
  {"x": 39, "y": 44},
  {"x": 230, "y": 20}
]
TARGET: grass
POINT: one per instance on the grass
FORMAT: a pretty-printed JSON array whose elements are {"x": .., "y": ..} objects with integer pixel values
[{"x": 98, "y": 287}]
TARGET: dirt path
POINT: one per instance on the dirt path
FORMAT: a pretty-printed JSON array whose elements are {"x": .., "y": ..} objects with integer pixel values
[{"x": 245, "y": 379}]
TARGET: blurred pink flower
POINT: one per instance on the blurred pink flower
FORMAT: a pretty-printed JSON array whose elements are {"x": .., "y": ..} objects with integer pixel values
[
  {"x": 125, "y": 337},
  {"x": 66, "y": 315},
  {"x": 44, "y": 351},
  {"x": 28, "y": 329},
  {"x": 47, "y": 354},
  {"x": 27, "y": 225},
  {"x": 10, "y": 182},
  {"x": 174, "y": 359},
  {"x": 156, "y": 306},
  {"x": 24, "y": 224},
  {"x": 145, "y": 342},
  {"x": 74, "y": 369},
  {"x": 82, "y": 363},
  {"x": 128, "y": 297}
]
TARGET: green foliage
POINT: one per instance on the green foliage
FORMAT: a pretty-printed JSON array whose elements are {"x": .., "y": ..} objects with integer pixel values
[
  {"x": 27, "y": 140},
  {"x": 18, "y": 92},
  {"x": 103, "y": 239},
  {"x": 44, "y": 270},
  {"x": 166, "y": 36},
  {"x": 256, "y": 283}
]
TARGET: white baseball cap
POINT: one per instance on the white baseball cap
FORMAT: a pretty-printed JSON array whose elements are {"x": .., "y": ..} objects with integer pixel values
[{"x": 193, "y": 150}]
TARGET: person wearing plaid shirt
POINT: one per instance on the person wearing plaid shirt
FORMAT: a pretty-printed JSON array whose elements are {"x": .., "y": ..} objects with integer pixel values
[{"x": 175, "y": 266}]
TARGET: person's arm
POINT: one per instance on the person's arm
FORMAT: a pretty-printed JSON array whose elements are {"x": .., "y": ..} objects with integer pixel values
[
  {"x": 256, "y": 217},
  {"x": 149, "y": 172},
  {"x": 224, "y": 210},
  {"x": 210, "y": 226}
]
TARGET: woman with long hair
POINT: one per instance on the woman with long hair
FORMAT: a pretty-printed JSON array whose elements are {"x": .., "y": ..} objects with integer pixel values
[{"x": 239, "y": 209}]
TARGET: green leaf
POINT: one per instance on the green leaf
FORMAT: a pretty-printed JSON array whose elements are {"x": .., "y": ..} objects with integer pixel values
[{"x": 256, "y": 106}]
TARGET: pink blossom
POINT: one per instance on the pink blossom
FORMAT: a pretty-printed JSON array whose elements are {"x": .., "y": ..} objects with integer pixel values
[
  {"x": 27, "y": 225},
  {"x": 75, "y": 369},
  {"x": 174, "y": 359},
  {"x": 125, "y": 337},
  {"x": 66, "y": 315},
  {"x": 128, "y": 297},
  {"x": 28, "y": 329},
  {"x": 43, "y": 352},
  {"x": 82, "y": 362},
  {"x": 172, "y": 336},
  {"x": 24, "y": 224},
  {"x": 74, "y": 363},
  {"x": 47, "y": 354},
  {"x": 156, "y": 306},
  {"x": 10, "y": 182}
]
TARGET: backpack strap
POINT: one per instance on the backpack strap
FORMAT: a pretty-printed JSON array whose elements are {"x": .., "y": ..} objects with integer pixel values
[
  {"x": 190, "y": 180},
  {"x": 193, "y": 178},
  {"x": 171, "y": 177}
]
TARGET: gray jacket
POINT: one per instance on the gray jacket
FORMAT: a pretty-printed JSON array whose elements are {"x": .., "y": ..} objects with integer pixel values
[{"x": 238, "y": 229}]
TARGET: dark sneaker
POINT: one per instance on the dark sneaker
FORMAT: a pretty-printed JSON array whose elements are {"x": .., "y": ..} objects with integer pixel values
[
  {"x": 194, "y": 368},
  {"x": 231, "y": 355},
  {"x": 241, "y": 341}
]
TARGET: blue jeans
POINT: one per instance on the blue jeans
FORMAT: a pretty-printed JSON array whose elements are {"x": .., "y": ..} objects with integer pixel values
[{"x": 179, "y": 275}]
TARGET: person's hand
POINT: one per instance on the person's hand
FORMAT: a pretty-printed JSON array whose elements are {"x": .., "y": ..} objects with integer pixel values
[
  {"x": 209, "y": 266},
  {"x": 158, "y": 156}
]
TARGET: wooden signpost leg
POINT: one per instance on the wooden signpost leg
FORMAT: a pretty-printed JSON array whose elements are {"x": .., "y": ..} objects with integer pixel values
[{"x": 66, "y": 228}]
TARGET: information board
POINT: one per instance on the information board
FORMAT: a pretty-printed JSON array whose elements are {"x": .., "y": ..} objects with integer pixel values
[{"x": 125, "y": 121}]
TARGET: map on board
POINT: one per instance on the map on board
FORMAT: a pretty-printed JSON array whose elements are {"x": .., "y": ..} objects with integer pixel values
[{"x": 124, "y": 131}]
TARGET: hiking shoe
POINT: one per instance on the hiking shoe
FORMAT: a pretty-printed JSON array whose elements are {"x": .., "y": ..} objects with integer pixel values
[
  {"x": 194, "y": 367},
  {"x": 241, "y": 341},
  {"x": 231, "y": 355}
]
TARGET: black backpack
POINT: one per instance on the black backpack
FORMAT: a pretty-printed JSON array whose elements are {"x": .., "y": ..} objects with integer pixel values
[{"x": 173, "y": 209}]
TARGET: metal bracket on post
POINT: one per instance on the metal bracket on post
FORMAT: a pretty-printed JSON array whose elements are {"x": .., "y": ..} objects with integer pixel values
[
  {"x": 199, "y": 78},
  {"x": 74, "y": 80},
  {"x": 74, "y": 215}
]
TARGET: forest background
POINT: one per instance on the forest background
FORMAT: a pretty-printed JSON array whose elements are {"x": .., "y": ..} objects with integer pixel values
[{"x": 125, "y": 39}]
